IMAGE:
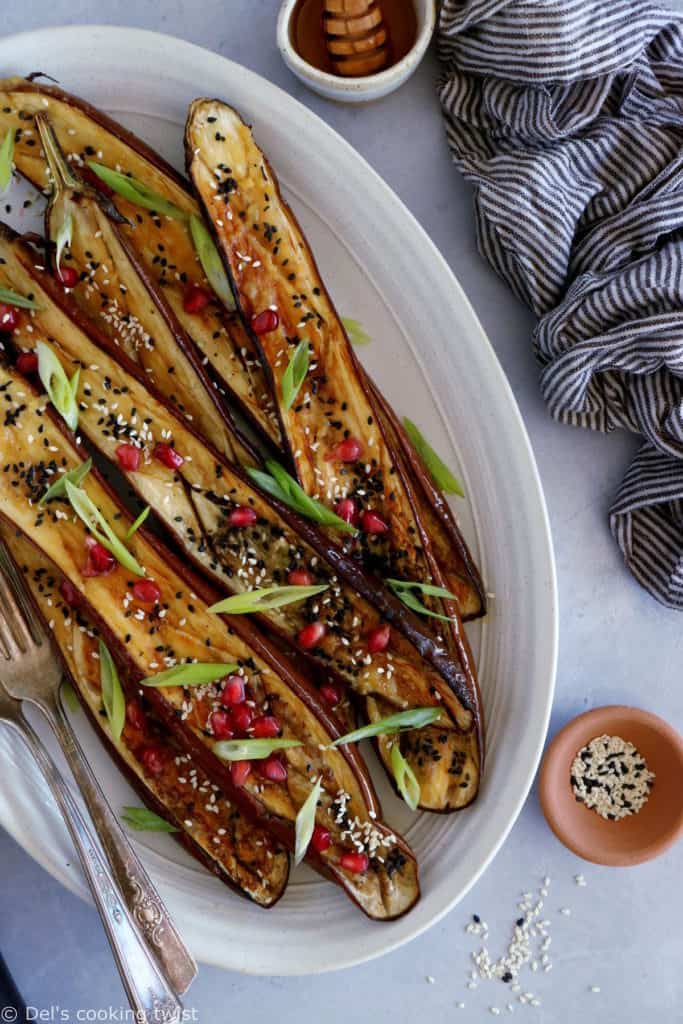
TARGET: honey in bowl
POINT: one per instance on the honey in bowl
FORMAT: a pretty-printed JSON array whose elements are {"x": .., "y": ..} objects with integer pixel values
[{"x": 353, "y": 37}]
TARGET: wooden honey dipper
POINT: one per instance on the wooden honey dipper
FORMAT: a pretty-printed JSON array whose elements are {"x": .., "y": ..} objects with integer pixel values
[{"x": 355, "y": 36}]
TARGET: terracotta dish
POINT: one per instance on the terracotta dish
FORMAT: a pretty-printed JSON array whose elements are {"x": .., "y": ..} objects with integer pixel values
[{"x": 634, "y": 839}]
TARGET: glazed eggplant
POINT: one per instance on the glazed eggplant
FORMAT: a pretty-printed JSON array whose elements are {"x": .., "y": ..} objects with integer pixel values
[
  {"x": 154, "y": 612},
  {"x": 86, "y": 135},
  {"x": 207, "y": 824},
  {"x": 330, "y": 421},
  {"x": 368, "y": 643},
  {"x": 91, "y": 257}
]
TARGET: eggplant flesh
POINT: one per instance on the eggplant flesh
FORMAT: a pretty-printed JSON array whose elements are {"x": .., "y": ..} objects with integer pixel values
[
  {"x": 178, "y": 628},
  {"x": 272, "y": 268},
  {"x": 163, "y": 246},
  {"x": 110, "y": 291},
  {"x": 195, "y": 504},
  {"x": 212, "y": 828}
]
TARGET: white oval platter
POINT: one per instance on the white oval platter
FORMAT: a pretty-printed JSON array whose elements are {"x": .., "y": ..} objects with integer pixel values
[{"x": 434, "y": 362}]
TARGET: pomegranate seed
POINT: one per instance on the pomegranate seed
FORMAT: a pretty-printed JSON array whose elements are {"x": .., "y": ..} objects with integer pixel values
[
  {"x": 355, "y": 862},
  {"x": 348, "y": 450},
  {"x": 311, "y": 634},
  {"x": 27, "y": 362},
  {"x": 10, "y": 317},
  {"x": 242, "y": 516},
  {"x": 153, "y": 759},
  {"x": 233, "y": 691},
  {"x": 168, "y": 456},
  {"x": 265, "y": 727},
  {"x": 221, "y": 725},
  {"x": 99, "y": 561},
  {"x": 321, "y": 839},
  {"x": 331, "y": 694},
  {"x": 135, "y": 716},
  {"x": 68, "y": 276},
  {"x": 378, "y": 639},
  {"x": 273, "y": 769},
  {"x": 146, "y": 591},
  {"x": 264, "y": 322},
  {"x": 70, "y": 594},
  {"x": 240, "y": 772},
  {"x": 241, "y": 717},
  {"x": 196, "y": 299},
  {"x": 346, "y": 510},
  {"x": 128, "y": 457},
  {"x": 372, "y": 523},
  {"x": 300, "y": 578}
]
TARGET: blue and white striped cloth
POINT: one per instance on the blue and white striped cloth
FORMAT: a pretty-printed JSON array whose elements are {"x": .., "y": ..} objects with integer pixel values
[{"x": 567, "y": 117}]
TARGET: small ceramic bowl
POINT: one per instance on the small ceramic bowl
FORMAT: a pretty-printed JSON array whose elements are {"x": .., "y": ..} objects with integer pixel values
[
  {"x": 367, "y": 87},
  {"x": 638, "y": 837}
]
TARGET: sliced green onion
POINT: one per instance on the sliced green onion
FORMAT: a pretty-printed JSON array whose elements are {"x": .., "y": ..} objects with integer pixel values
[
  {"x": 356, "y": 332},
  {"x": 406, "y": 783},
  {"x": 142, "y": 820},
  {"x": 278, "y": 483},
  {"x": 112, "y": 694},
  {"x": 404, "y": 590},
  {"x": 59, "y": 388},
  {"x": 196, "y": 673},
  {"x": 136, "y": 192},
  {"x": 251, "y": 750},
  {"x": 11, "y": 298},
  {"x": 6, "y": 159},
  {"x": 88, "y": 512},
  {"x": 305, "y": 823},
  {"x": 436, "y": 467},
  {"x": 211, "y": 262},
  {"x": 69, "y": 696},
  {"x": 416, "y": 718},
  {"x": 295, "y": 374},
  {"x": 64, "y": 237},
  {"x": 74, "y": 476},
  {"x": 265, "y": 599},
  {"x": 134, "y": 527}
]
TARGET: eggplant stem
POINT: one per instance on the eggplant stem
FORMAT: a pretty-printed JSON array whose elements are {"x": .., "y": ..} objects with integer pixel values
[{"x": 62, "y": 175}]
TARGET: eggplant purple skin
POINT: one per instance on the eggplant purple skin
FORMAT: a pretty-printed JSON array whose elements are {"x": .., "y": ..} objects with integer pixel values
[
  {"x": 147, "y": 796},
  {"x": 433, "y": 495}
]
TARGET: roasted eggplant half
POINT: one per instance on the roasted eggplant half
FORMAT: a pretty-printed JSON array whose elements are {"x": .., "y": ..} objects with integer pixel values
[
  {"x": 93, "y": 260},
  {"x": 154, "y": 613},
  {"x": 330, "y": 422},
  {"x": 206, "y": 823},
  {"x": 162, "y": 243},
  {"x": 365, "y": 641},
  {"x": 88, "y": 136}
]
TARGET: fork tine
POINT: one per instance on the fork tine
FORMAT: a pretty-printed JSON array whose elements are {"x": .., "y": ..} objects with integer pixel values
[
  {"x": 25, "y": 612},
  {"x": 7, "y": 646},
  {"x": 13, "y": 616}
]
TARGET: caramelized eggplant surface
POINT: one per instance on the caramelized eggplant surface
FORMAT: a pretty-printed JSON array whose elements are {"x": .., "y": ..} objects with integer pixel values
[
  {"x": 95, "y": 265},
  {"x": 162, "y": 245},
  {"x": 369, "y": 645},
  {"x": 212, "y": 828},
  {"x": 331, "y": 424},
  {"x": 166, "y": 623}
]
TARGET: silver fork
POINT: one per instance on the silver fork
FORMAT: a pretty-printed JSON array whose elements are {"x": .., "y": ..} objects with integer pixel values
[
  {"x": 33, "y": 673},
  {"x": 147, "y": 990}
]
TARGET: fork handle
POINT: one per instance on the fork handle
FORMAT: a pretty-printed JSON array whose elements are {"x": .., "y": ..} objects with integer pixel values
[
  {"x": 148, "y": 991},
  {"x": 137, "y": 889}
]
